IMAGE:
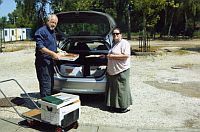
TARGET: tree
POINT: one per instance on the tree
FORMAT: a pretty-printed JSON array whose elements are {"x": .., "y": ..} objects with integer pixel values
[
  {"x": 168, "y": 17},
  {"x": 195, "y": 10},
  {"x": 174, "y": 7},
  {"x": 150, "y": 12},
  {"x": 3, "y": 21},
  {"x": 180, "y": 16}
]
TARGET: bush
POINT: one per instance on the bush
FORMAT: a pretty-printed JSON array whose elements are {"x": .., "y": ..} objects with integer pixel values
[{"x": 196, "y": 34}]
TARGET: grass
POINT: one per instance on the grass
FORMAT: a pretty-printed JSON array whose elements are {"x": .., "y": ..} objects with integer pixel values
[
  {"x": 18, "y": 45},
  {"x": 13, "y": 49},
  {"x": 181, "y": 52}
]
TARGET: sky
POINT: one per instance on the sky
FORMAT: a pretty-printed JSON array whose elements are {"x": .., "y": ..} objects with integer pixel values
[{"x": 6, "y": 7}]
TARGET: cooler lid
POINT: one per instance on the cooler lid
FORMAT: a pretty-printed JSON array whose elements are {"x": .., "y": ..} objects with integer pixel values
[{"x": 58, "y": 100}]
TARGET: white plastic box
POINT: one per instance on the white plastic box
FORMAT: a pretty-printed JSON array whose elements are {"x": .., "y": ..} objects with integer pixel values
[
  {"x": 71, "y": 70},
  {"x": 62, "y": 114}
]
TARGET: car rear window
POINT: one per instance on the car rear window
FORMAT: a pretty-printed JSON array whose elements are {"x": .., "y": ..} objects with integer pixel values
[
  {"x": 83, "y": 29},
  {"x": 84, "y": 46}
]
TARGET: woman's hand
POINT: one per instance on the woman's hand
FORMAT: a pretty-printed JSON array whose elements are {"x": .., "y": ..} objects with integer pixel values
[
  {"x": 110, "y": 56},
  {"x": 117, "y": 56},
  {"x": 102, "y": 56}
]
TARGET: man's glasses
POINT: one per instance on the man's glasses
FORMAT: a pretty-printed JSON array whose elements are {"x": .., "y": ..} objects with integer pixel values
[{"x": 115, "y": 33}]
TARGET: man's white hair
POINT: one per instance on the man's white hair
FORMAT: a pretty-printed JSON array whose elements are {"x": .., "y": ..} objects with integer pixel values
[{"x": 51, "y": 16}]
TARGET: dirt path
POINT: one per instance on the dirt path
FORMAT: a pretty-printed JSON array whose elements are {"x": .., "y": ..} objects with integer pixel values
[{"x": 165, "y": 88}]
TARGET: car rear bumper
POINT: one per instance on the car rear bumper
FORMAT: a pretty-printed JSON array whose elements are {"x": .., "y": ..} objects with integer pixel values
[{"x": 80, "y": 86}]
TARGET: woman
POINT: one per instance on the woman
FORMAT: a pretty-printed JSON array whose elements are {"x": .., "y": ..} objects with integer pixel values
[{"x": 118, "y": 96}]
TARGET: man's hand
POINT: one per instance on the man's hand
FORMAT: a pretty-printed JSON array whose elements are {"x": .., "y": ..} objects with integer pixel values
[
  {"x": 55, "y": 56},
  {"x": 51, "y": 53},
  {"x": 62, "y": 53}
]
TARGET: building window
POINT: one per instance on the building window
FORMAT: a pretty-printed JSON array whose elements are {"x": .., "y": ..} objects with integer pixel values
[
  {"x": 12, "y": 32},
  {"x": 6, "y": 33}
]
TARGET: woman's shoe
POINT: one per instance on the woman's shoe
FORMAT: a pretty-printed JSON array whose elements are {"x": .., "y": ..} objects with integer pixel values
[
  {"x": 111, "y": 109},
  {"x": 122, "y": 110}
]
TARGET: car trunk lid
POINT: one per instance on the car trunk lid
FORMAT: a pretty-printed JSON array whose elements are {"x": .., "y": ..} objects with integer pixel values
[{"x": 85, "y": 24}]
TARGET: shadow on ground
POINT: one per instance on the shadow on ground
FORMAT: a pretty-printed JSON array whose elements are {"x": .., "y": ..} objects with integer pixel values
[
  {"x": 43, "y": 127},
  {"x": 195, "y": 49},
  {"x": 95, "y": 101},
  {"x": 23, "y": 101},
  {"x": 190, "y": 89}
]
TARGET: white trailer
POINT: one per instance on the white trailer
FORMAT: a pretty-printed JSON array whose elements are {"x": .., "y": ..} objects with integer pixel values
[
  {"x": 21, "y": 34},
  {"x": 13, "y": 34},
  {"x": 9, "y": 34}
]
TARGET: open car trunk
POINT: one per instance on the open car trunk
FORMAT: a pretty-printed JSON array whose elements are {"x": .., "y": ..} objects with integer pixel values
[
  {"x": 89, "y": 64},
  {"x": 87, "y": 34}
]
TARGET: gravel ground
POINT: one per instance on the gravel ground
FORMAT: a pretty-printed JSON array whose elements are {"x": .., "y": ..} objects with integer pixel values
[{"x": 165, "y": 90}]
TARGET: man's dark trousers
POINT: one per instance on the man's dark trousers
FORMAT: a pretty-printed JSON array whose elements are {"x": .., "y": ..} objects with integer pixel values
[{"x": 45, "y": 73}]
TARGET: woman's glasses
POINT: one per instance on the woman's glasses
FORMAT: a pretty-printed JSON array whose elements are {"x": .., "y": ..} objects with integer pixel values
[{"x": 115, "y": 33}]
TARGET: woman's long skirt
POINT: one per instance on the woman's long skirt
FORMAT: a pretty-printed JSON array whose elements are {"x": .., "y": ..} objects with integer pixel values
[{"x": 118, "y": 94}]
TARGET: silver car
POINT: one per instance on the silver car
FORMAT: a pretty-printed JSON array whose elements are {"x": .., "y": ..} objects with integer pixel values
[{"x": 88, "y": 34}]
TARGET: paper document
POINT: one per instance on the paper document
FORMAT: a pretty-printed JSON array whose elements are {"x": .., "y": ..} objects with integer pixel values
[{"x": 69, "y": 57}]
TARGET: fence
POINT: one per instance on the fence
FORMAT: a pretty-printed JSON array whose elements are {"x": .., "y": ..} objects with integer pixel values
[
  {"x": 1, "y": 40},
  {"x": 144, "y": 43}
]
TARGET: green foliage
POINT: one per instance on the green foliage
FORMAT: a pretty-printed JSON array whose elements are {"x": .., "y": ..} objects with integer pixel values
[
  {"x": 171, "y": 17},
  {"x": 3, "y": 21},
  {"x": 197, "y": 34},
  {"x": 84, "y": 4},
  {"x": 150, "y": 11}
]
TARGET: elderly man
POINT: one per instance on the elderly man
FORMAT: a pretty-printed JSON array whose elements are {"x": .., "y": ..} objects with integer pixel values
[{"x": 46, "y": 51}]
